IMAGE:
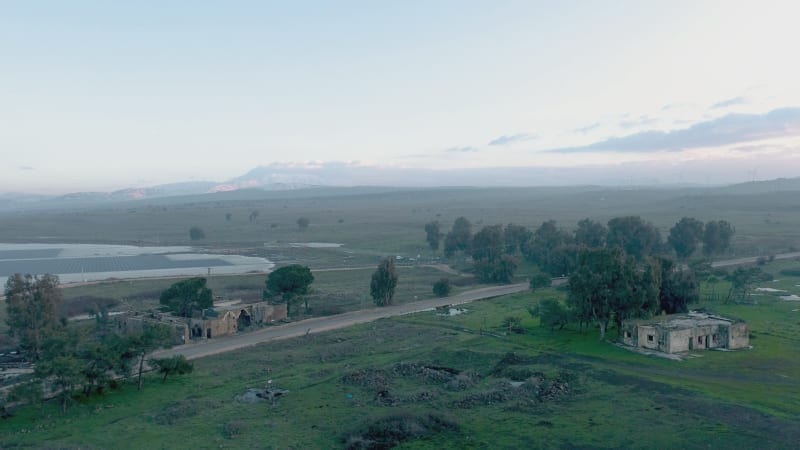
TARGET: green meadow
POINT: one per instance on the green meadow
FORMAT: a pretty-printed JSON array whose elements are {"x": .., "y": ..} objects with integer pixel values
[{"x": 483, "y": 387}]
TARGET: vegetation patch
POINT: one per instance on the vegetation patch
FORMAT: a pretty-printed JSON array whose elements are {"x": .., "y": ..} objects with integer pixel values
[
  {"x": 175, "y": 412},
  {"x": 393, "y": 430},
  {"x": 367, "y": 378}
]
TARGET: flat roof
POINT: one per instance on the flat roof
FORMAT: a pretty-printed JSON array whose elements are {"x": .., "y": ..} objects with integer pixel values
[{"x": 683, "y": 321}]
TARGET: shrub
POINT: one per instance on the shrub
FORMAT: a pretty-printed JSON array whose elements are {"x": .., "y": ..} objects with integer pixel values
[
  {"x": 442, "y": 288},
  {"x": 232, "y": 429},
  {"x": 540, "y": 280},
  {"x": 551, "y": 313},
  {"x": 513, "y": 324}
]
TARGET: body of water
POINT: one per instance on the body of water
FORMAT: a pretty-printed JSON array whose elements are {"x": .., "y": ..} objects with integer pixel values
[{"x": 93, "y": 262}]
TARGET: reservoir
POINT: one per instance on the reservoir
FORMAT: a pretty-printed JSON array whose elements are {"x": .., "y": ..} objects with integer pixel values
[{"x": 94, "y": 262}]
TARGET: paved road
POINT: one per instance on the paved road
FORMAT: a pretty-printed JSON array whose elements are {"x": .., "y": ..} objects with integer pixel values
[
  {"x": 320, "y": 324},
  {"x": 752, "y": 260}
]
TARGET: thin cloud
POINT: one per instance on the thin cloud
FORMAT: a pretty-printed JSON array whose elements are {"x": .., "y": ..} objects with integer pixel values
[
  {"x": 461, "y": 149},
  {"x": 726, "y": 130},
  {"x": 587, "y": 128},
  {"x": 512, "y": 139},
  {"x": 27, "y": 168},
  {"x": 642, "y": 121},
  {"x": 729, "y": 102}
]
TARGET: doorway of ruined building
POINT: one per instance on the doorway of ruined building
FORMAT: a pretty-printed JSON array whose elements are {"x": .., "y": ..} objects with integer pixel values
[
  {"x": 197, "y": 332},
  {"x": 208, "y": 333},
  {"x": 244, "y": 320}
]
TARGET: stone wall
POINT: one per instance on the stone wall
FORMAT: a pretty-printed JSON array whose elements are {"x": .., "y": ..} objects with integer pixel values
[
  {"x": 738, "y": 336},
  {"x": 135, "y": 325},
  {"x": 235, "y": 319}
]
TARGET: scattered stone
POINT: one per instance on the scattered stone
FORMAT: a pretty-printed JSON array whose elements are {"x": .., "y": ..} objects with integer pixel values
[{"x": 254, "y": 395}]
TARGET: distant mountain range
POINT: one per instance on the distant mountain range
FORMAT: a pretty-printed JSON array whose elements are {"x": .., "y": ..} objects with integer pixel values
[{"x": 290, "y": 177}]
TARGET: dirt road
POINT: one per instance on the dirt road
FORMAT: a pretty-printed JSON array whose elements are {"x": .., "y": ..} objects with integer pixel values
[{"x": 320, "y": 324}]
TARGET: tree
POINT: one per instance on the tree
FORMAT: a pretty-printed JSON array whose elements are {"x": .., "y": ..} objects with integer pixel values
[
  {"x": 488, "y": 243},
  {"x": 551, "y": 313},
  {"x": 684, "y": 236},
  {"x": 303, "y": 223},
  {"x": 608, "y": 285},
  {"x": 742, "y": 280},
  {"x": 679, "y": 288},
  {"x": 64, "y": 373},
  {"x": 32, "y": 304},
  {"x": 290, "y": 282},
  {"x": 540, "y": 280},
  {"x": 591, "y": 234},
  {"x": 175, "y": 364},
  {"x": 636, "y": 237},
  {"x": 492, "y": 263},
  {"x": 516, "y": 236},
  {"x": 152, "y": 337},
  {"x": 60, "y": 366},
  {"x": 459, "y": 237},
  {"x": 433, "y": 235},
  {"x": 442, "y": 288},
  {"x": 717, "y": 237},
  {"x": 561, "y": 260},
  {"x": 228, "y": 217},
  {"x": 187, "y": 296},
  {"x": 99, "y": 361},
  {"x": 513, "y": 324},
  {"x": 545, "y": 239},
  {"x": 384, "y": 282},
  {"x": 196, "y": 233}
]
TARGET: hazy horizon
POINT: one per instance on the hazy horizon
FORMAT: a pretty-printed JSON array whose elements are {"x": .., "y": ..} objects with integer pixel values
[{"x": 100, "y": 97}]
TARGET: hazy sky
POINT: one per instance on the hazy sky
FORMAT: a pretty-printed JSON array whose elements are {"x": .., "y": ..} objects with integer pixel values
[{"x": 97, "y": 95}]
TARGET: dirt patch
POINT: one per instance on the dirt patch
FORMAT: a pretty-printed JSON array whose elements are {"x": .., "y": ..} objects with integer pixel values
[{"x": 254, "y": 395}]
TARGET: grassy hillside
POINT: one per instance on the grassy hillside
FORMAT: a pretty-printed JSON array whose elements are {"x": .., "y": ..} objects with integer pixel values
[{"x": 459, "y": 382}]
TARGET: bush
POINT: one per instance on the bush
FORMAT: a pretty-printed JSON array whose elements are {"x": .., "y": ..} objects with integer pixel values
[
  {"x": 175, "y": 364},
  {"x": 442, "y": 288},
  {"x": 794, "y": 272},
  {"x": 303, "y": 223},
  {"x": 513, "y": 324},
  {"x": 232, "y": 429},
  {"x": 196, "y": 233},
  {"x": 540, "y": 280},
  {"x": 551, "y": 313}
]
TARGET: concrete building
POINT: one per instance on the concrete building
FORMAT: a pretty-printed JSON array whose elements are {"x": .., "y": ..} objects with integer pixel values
[
  {"x": 678, "y": 333},
  {"x": 222, "y": 320},
  {"x": 229, "y": 319}
]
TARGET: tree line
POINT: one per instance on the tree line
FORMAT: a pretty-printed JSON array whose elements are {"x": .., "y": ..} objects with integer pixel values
[
  {"x": 494, "y": 248},
  {"x": 617, "y": 271}
]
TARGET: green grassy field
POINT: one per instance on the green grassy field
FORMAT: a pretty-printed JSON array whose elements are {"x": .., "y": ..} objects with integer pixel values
[
  {"x": 578, "y": 392},
  {"x": 376, "y": 223}
]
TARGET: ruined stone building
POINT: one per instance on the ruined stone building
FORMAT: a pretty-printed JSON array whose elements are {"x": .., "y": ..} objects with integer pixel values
[
  {"x": 678, "y": 333},
  {"x": 229, "y": 319},
  {"x": 220, "y": 321}
]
